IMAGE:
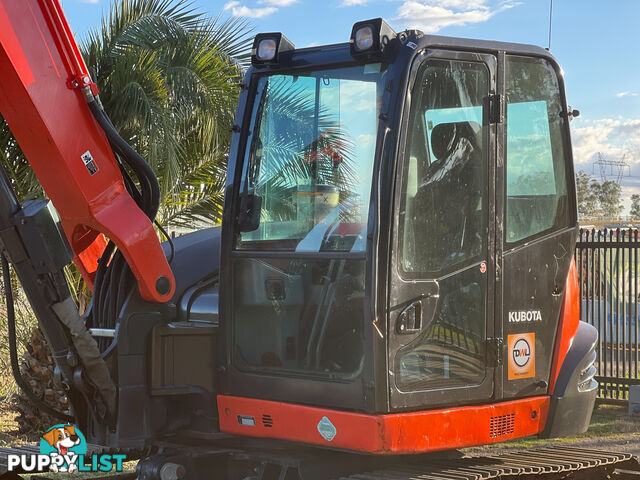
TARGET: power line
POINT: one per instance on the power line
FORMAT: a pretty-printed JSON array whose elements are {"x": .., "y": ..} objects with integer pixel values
[{"x": 615, "y": 169}]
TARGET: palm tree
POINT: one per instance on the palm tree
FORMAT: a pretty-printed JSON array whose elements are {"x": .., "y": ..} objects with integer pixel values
[
  {"x": 18, "y": 170},
  {"x": 169, "y": 78}
]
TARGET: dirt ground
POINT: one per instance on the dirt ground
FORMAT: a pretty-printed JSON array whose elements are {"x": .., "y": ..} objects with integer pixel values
[{"x": 9, "y": 435}]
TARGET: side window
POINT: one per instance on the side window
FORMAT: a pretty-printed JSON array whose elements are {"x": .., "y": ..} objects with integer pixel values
[{"x": 536, "y": 188}]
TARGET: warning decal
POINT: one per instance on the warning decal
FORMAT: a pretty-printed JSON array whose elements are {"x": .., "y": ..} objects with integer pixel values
[
  {"x": 87, "y": 158},
  {"x": 522, "y": 355}
]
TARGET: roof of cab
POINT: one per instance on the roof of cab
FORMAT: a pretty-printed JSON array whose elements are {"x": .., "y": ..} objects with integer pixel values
[
  {"x": 340, "y": 52},
  {"x": 445, "y": 41}
]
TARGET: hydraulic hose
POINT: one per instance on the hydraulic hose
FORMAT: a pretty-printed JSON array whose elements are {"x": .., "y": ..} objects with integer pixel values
[
  {"x": 114, "y": 277},
  {"x": 144, "y": 172},
  {"x": 13, "y": 349}
]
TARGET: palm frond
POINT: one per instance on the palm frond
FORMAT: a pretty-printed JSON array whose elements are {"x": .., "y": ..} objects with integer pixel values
[
  {"x": 23, "y": 180},
  {"x": 168, "y": 77}
]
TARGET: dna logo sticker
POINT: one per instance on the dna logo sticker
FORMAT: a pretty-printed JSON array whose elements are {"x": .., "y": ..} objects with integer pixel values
[{"x": 522, "y": 356}]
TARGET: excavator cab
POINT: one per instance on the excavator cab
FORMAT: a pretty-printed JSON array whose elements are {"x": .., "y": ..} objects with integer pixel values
[
  {"x": 393, "y": 273},
  {"x": 397, "y": 235}
]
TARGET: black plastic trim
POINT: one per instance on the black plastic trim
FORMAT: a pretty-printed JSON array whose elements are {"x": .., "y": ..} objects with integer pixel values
[{"x": 575, "y": 391}]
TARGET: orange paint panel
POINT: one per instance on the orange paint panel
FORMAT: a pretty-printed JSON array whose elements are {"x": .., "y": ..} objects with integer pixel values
[
  {"x": 465, "y": 426},
  {"x": 299, "y": 423},
  {"x": 568, "y": 324},
  {"x": 44, "y": 40},
  {"x": 11, "y": 45},
  {"x": 399, "y": 433},
  {"x": 87, "y": 257}
]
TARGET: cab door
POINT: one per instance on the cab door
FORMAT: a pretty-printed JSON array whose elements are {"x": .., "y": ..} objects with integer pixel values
[
  {"x": 441, "y": 298},
  {"x": 539, "y": 221}
]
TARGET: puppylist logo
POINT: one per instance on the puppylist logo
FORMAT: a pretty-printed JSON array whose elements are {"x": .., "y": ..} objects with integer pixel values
[{"x": 63, "y": 448}]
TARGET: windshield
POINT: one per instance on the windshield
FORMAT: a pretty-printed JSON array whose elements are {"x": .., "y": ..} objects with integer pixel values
[{"x": 310, "y": 158}]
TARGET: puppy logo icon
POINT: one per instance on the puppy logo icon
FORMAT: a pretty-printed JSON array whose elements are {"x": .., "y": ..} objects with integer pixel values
[
  {"x": 63, "y": 448},
  {"x": 65, "y": 442}
]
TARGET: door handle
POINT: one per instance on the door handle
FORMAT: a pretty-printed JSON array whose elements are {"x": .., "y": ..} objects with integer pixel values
[{"x": 410, "y": 318}]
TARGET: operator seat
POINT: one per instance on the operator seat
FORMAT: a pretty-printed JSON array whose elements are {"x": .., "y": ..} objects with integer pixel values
[{"x": 448, "y": 201}]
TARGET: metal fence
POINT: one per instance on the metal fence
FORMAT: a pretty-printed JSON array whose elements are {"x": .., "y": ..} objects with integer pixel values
[{"x": 608, "y": 270}]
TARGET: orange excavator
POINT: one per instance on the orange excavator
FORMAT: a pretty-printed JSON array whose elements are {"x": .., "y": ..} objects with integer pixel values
[{"x": 393, "y": 276}]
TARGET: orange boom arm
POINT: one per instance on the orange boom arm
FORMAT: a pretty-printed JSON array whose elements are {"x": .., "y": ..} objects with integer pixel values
[{"x": 44, "y": 88}]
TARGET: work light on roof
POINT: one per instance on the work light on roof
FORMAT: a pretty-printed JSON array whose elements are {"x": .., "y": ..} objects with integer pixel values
[
  {"x": 364, "y": 38},
  {"x": 268, "y": 48},
  {"x": 371, "y": 38}
]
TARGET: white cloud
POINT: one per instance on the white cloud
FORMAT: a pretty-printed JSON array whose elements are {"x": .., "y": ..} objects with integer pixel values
[
  {"x": 615, "y": 139},
  {"x": 626, "y": 94},
  {"x": 433, "y": 15},
  {"x": 612, "y": 137},
  {"x": 272, "y": 6},
  {"x": 94, "y": 2},
  {"x": 365, "y": 141},
  {"x": 238, "y": 10},
  {"x": 278, "y": 3},
  {"x": 353, "y": 3}
]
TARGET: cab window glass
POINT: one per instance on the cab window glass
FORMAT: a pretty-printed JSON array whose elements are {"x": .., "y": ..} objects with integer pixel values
[
  {"x": 536, "y": 182},
  {"x": 310, "y": 160},
  {"x": 443, "y": 217}
]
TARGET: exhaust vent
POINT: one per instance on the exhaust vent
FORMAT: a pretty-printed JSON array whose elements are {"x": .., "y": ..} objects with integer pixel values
[
  {"x": 501, "y": 425},
  {"x": 267, "y": 421}
]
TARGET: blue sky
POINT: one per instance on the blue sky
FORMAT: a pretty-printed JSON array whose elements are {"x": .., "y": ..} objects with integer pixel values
[{"x": 595, "y": 42}]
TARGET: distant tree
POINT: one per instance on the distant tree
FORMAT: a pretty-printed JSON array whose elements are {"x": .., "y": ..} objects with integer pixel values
[
  {"x": 635, "y": 206},
  {"x": 596, "y": 191},
  {"x": 588, "y": 192},
  {"x": 609, "y": 197}
]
